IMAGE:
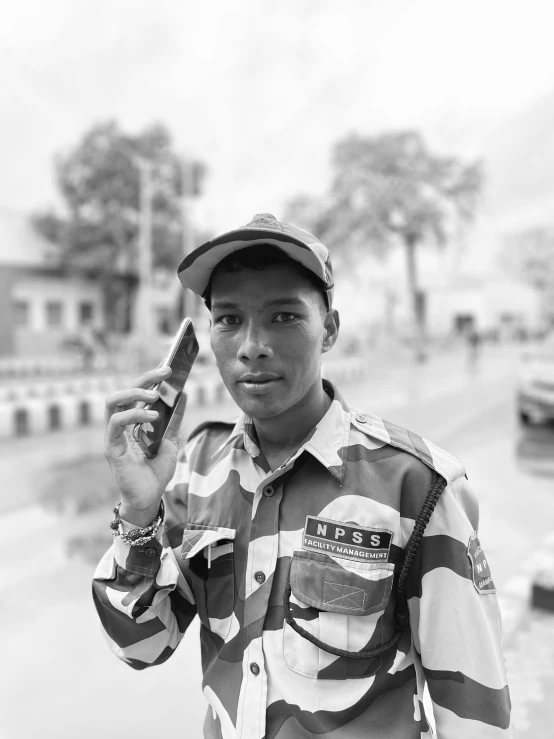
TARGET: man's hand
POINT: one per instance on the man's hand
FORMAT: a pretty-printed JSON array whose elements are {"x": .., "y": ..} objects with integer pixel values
[{"x": 141, "y": 480}]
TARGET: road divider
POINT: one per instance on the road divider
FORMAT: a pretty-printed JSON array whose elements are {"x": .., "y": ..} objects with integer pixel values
[
  {"x": 46, "y": 407},
  {"x": 17, "y": 367},
  {"x": 542, "y": 591}
]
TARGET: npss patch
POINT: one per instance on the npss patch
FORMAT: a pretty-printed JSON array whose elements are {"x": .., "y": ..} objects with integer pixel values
[
  {"x": 346, "y": 540},
  {"x": 481, "y": 574}
]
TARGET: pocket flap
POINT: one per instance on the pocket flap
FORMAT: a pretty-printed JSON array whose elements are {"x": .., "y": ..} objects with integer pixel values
[
  {"x": 195, "y": 539},
  {"x": 352, "y": 588}
]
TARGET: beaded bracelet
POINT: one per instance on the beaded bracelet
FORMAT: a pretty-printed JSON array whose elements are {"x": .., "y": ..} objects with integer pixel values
[{"x": 137, "y": 537}]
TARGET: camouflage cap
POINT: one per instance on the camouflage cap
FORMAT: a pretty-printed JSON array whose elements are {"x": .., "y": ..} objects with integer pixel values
[{"x": 196, "y": 268}]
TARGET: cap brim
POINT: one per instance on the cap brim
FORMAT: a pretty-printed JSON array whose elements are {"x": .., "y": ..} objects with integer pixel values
[{"x": 196, "y": 269}]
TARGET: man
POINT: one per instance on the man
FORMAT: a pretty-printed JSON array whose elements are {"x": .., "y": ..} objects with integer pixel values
[{"x": 304, "y": 536}]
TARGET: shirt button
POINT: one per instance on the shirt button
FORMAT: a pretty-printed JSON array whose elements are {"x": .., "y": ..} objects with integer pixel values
[
  {"x": 260, "y": 577},
  {"x": 268, "y": 491},
  {"x": 361, "y": 419},
  {"x": 150, "y": 552},
  {"x": 254, "y": 668}
]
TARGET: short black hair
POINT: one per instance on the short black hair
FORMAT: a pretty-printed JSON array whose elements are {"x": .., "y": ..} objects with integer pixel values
[{"x": 259, "y": 257}]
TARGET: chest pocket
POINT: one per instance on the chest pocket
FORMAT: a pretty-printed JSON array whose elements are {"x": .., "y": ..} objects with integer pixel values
[
  {"x": 209, "y": 551},
  {"x": 338, "y": 617}
]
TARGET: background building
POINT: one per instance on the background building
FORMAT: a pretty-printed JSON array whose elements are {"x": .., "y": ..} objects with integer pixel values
[
  {"x": 41, "y": 306},
  {"x": 374, "y": 302},
  {"x": 489, "y": 304}
]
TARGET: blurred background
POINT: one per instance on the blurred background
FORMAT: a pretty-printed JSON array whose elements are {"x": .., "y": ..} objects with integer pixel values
[{"x": 415, "y": 139}]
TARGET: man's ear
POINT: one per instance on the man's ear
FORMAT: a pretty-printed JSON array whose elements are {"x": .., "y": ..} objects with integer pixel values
[{"x": 331, "y": 324}]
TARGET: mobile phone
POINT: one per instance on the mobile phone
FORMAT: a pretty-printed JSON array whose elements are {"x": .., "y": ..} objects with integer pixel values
[{"x": 181, "y": 356}]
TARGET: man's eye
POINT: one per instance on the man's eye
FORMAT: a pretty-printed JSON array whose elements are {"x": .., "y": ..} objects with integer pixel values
[
  {"x": 228, "y": 320},
  {"x": 285, "y": 317}
]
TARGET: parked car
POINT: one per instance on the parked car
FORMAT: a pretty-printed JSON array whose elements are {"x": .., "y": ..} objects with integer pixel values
[{"x": 535, "y": 397}]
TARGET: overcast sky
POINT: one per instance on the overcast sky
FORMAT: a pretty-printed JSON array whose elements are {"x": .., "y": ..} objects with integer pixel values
[{"x": 260, "y": 89}]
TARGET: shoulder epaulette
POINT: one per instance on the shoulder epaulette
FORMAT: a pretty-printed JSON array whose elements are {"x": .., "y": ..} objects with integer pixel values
[
  {"x": 215, "y": 425},
  {"x": 447, "y": 465}
]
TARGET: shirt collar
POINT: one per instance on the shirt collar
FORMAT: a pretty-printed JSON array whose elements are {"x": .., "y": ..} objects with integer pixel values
[
  {"x": 244, "y": 427},
  {"x": 327, "y": 442}
]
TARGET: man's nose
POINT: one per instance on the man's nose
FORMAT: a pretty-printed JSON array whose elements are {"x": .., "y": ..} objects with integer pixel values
[{"x": 255, "y": 344}]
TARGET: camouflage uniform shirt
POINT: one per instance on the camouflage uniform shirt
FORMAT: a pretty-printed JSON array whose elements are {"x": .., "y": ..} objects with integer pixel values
[{"x": 328, "y": 530}]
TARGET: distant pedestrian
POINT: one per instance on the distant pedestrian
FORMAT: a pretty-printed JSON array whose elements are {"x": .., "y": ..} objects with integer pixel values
[
  {"x": 332, "y": 557},
  {"x": 474, "y": 341}
]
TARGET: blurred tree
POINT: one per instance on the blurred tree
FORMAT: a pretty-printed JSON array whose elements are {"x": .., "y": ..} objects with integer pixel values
[
  {"x": 99, "y": 180},
  {"x": 529, "y": 255},
  {"x": 391, "y": 189}
]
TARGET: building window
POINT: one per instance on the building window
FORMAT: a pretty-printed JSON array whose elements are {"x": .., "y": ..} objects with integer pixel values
[
  {"x": 86, "y": 313},
  {"x": 464, "y": 322},
  {"x": 54, "y": 314},
  {"x": 21, "y": 312}
]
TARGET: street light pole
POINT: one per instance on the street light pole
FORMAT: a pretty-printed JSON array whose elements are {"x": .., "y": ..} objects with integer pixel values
[
  {"x": 188, "y": 305},
  {"x": 144, "y": 316},
  {"x": 144, "y": 327}
]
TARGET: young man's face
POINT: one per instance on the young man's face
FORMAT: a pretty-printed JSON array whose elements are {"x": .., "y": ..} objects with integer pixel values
[{"x": 268, "y": 331}]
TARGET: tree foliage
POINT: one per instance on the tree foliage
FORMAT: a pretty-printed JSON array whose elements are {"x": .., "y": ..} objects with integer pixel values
[
  {"x": 100, "y": 184},
  {"x": 389, "y": 186},
  {"x": 391, "y": 189}
]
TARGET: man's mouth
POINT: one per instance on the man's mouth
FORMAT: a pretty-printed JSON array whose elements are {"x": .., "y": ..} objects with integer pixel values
[
  {"x": 258, "y": 384},
  {"x": 259, "y": 378}
]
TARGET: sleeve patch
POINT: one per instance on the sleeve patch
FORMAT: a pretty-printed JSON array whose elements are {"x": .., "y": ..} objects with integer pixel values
[{"x": 480, "y": 570}]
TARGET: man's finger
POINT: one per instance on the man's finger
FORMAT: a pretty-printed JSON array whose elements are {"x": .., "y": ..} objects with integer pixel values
[
  {"x": 125, "y": 399},
  {"x": 153, "y": 377},
  {"x": 116, "y": 442}
]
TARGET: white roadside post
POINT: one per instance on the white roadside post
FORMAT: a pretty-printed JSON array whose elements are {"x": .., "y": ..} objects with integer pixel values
[{"x": 542, "y": 591}]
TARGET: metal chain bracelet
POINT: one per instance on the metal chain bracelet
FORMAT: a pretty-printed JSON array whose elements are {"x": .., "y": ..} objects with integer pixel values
[{"x": 137, "y": 537}]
